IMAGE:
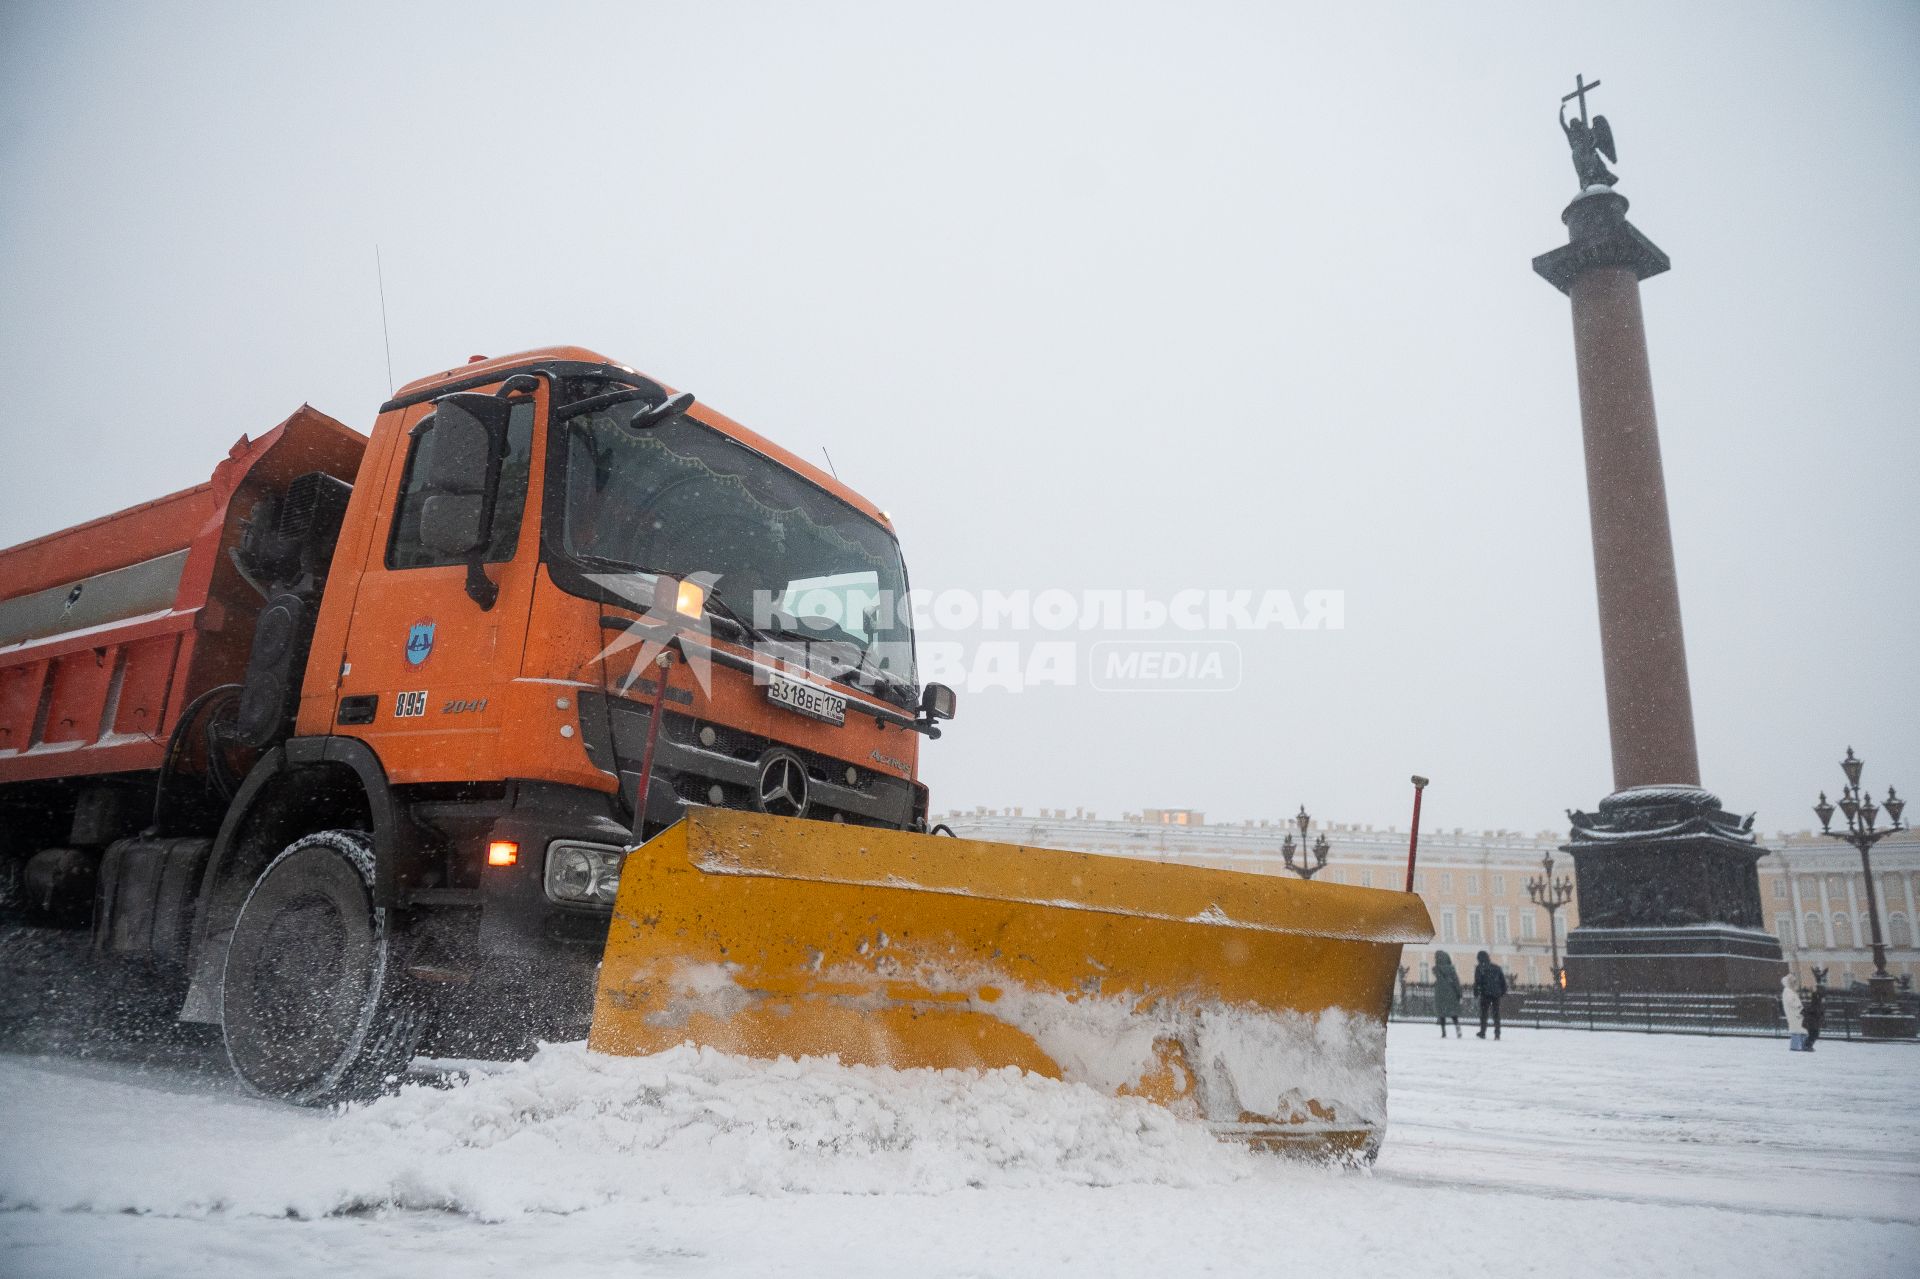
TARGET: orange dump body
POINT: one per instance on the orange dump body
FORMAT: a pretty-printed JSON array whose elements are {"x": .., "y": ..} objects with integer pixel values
[{"x": 110, "y": 628}]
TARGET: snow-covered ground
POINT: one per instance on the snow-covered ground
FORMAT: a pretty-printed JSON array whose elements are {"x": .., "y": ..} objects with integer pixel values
[{"x": 1552, "y": 1152}]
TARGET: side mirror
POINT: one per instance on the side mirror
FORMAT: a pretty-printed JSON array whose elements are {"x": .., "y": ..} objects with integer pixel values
[
  {"x": 468, "y": 435},
  {"x": 648, "y": 418},
  {"x": 937, "y": 701}
]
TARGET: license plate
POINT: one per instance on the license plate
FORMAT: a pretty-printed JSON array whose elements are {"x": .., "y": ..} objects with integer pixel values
[{"x": 807, "y": 699}]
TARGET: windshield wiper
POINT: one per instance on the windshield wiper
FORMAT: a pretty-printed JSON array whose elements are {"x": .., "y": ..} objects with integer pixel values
[
  {"x": 852, "y": 674},
  {"x": 615, "y": 566},
  {"x": 730, "y": 615},
  {"x": 882, "y": 678},
  {"x": 713, "y": 602}
]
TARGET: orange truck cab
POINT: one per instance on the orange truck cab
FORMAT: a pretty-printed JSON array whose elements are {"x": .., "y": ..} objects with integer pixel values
[{"x": 433, "y": 657}]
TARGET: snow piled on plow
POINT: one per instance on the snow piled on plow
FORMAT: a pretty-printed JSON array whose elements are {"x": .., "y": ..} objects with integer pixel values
[
  {"x": 1248, "y": 1061},
  {"x": 571, "y": 1130}
]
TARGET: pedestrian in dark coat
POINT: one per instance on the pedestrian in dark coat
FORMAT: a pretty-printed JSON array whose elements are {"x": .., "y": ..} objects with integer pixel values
[
  {"x": 1490, "y": 984},
  {"x": 1446, "y": 993},
  {"x": 1816, "y": 1014}
]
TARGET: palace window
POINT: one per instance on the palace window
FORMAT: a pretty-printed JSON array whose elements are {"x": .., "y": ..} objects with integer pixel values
[
  {"x": 1816, "y": 932},
  {"x": 1842, "y": 931},
  {"x": 1473, "y": 926},
  {"x": 1526, "y": 926},
  {"x": 1779, "y": 889},
  {"x": 1897, "y": 934},
  {"x": 1499, "y": 885},
  {"x": 1448, "y": 930},
  {"x": 1473, "y": 882},
  {"x": 1501, "y": 933}
]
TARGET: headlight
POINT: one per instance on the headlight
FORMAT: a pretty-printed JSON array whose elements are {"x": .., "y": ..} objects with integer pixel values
[{"x": 585, "y": 873}]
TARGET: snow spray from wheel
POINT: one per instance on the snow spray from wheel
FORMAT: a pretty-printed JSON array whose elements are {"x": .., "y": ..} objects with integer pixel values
[{"x": 1254, "y": 1004}]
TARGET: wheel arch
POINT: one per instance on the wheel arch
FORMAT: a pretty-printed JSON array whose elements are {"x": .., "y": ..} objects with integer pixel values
[{"x": 307, "y": 784}]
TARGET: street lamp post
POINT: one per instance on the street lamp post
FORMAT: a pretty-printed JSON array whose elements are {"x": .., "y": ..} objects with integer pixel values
[
  {"x": 1309, "y": 865},
  {"x": 1883, "y": 1018},
  {"x": 1550, "y": 895}
]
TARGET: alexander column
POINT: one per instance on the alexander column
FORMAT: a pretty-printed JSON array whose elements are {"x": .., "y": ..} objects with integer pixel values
[{"x": 1668, "y": 891}]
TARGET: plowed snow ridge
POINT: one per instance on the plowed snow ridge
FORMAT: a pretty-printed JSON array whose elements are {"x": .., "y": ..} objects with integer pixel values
[
  {"x": 696, "y": 1121},
  {"x": 570, "y": 1130},
  {"x": 1658, "y": 1156}
]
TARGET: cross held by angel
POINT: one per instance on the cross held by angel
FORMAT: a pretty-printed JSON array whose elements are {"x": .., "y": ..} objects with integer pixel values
[{"x": 1588, "y": 141}]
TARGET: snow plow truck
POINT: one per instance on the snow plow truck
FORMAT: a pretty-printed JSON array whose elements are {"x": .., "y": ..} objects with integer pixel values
[{"x": 563, "y": 704}]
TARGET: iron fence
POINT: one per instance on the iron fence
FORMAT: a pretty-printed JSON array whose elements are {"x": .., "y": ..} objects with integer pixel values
[{"x": 1698, "y": 1013}]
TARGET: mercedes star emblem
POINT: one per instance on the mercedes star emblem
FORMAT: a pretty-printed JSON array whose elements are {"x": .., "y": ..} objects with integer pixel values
[{"x": 783, "y": 787}]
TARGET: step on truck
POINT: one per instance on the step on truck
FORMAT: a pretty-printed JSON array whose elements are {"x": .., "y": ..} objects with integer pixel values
[{"x": 562, "y": 704}]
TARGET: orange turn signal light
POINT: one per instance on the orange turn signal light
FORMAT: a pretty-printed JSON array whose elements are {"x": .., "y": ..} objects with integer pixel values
[
  {"x": 503, "y": 852},
  {"x": 689, "y": 600}
]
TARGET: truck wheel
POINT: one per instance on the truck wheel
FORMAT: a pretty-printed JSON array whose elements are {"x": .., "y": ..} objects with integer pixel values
[{"x": 314, "y": 1003}]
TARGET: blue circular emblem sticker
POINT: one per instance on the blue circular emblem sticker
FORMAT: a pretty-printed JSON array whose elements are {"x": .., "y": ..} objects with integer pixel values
[{"x": 420, "y": 642}]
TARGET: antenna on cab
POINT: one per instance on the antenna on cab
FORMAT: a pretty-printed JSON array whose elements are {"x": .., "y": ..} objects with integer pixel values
[{"x": 380, "y": 274}]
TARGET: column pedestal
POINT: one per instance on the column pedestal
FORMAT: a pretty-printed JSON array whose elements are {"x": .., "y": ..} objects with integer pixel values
[{"x": 1669, "y": 897}]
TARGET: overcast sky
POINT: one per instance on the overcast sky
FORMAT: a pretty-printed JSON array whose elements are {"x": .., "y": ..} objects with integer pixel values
[{"x": 1101, "y": 296}]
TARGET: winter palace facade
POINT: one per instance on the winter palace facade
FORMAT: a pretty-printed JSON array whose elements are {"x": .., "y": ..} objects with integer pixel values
[{"x": 1475, "y": 882}]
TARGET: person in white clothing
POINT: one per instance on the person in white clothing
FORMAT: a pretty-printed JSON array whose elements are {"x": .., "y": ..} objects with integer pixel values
[{"x": 1791, "y": 1006}]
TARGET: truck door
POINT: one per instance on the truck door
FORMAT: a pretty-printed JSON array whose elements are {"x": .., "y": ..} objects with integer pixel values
[{"x": 424, "y": 663}]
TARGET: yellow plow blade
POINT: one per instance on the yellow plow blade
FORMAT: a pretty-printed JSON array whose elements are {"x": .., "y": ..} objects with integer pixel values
[{"x": 1253, "y": 1003}]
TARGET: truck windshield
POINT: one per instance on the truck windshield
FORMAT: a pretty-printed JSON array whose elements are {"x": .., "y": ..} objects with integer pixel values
[{"x": 681, "y": 498}]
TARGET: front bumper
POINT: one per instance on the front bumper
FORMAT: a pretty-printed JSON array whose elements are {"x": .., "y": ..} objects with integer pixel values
[{"x": 517, "y": 918}]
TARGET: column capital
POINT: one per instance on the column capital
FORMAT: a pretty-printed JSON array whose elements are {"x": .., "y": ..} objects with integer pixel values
[{"x": 1599, "y": 235}]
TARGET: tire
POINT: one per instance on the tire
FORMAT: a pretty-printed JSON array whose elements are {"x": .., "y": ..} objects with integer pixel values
[{"x": 315, "y": 1004}]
